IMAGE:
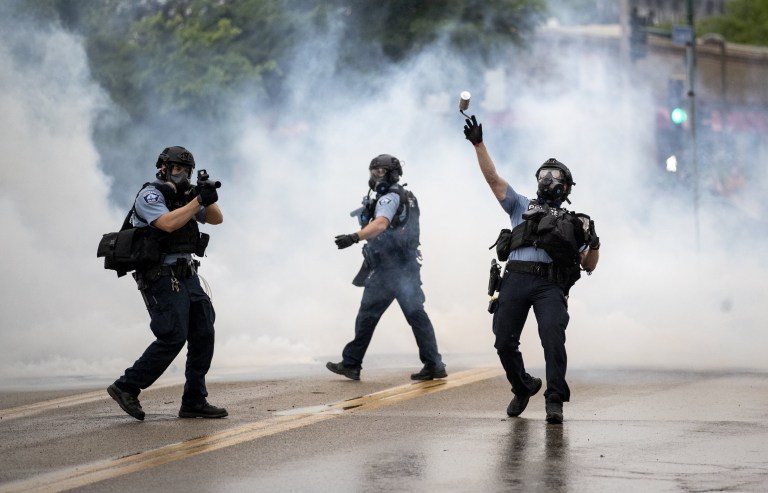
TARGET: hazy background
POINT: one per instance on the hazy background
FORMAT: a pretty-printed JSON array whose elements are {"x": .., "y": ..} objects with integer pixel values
[{"x": 662, "y": 296}]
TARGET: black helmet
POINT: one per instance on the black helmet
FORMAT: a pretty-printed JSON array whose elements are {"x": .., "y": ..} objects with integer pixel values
[
  {"x": 176, "y": 155},
  {"x": 389, "y": 163},
  {"x": 555, "y": 181},
  {"x": 394, "y": 172}
]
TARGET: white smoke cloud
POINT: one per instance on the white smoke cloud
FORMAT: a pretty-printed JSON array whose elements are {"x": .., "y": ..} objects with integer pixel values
[{"x": 666, "y": 293}]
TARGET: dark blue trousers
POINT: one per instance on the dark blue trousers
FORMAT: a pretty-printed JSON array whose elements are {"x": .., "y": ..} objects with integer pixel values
[
  {"x": 178, "y": 317},
  {"x": 519, "y": 293},
  {"x": 381, "y": 289}
]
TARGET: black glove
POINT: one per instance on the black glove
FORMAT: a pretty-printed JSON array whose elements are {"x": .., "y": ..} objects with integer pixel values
[
  {"x": 344, "y": 241},
  {"x": 594, "y": 240},
  {"x": 207, "y": 196},
  {"x": 472, "y": 131}
]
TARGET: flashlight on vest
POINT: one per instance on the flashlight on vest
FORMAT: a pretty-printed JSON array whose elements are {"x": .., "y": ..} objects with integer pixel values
[{"x": 464, "y": 98}]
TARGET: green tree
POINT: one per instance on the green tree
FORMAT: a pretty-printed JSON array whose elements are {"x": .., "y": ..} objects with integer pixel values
[
  {"x": 167, "y": 56},
  {"x": 745, "y": 21},
  {"x": 188, "y": 69},
  {"x": 405, "y": 27}
]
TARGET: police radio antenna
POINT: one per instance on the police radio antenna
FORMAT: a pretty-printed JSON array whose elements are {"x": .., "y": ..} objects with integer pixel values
[{"x": 464, "y": 102}]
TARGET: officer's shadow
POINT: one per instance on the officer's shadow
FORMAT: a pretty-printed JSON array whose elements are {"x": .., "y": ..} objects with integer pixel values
[{"x": 535, "y": 457}]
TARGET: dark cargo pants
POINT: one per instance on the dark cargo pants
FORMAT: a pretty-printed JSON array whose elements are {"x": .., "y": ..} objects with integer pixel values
[
  {"x": 518, "y": 293},
  {"x": 381, "y": 289},
  {"x": 178, "y": 317}
]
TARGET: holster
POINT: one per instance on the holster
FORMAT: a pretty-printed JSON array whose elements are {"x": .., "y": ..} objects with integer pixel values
[
  {"x": 362, "y": 275},
  {"x": 142, "y": 284},
  {"x": 494, "y": 280}
]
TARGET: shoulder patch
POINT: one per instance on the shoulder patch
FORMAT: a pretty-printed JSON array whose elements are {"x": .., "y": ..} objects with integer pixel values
[
  {"x": 151, "y": 197},
  {"x": 384, "y": 201}
]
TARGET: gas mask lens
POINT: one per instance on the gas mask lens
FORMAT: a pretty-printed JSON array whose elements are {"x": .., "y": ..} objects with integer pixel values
[
  {"x": 551, "y": 183},
  {"x": 378, "y": 180},
  {"x": 180, "y": 176},
  {"x": 554, "y": 172}
]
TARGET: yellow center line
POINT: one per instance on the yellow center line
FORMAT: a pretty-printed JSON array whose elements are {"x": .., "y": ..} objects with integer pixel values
[
  {"x": 69, "y": 401},
  {"x": 86, "y": 474},
  {"x": 38, "y": 407}
]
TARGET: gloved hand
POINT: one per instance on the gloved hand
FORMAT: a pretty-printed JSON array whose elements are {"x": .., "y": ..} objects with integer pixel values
[
  {"x": 473, "y": 131},
  {"x": 207, "y": 196},
  {"x": 594, "y": 240},
  {"x": 344, "y": 241}
]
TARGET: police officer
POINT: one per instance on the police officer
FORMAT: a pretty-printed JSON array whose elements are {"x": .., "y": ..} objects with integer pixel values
[
  {"x": 391, "y": 270},
  {"x": 531, "y": 279},
  {"x": 181, "y": 312}
]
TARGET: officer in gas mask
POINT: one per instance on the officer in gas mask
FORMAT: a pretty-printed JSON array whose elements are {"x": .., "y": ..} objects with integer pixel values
[
  {"x": 391, "y": 270},
  {"x": 180, "y": 310},
  {"x": 535, "y": 279}
]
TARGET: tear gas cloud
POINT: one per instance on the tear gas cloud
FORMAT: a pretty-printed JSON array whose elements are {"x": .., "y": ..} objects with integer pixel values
[{"x": 669, "y": 292}]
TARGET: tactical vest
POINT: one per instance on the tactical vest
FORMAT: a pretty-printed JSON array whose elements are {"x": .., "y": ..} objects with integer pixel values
[
  {"x": 557, "y": 231},
  {"x": 186, "y": 239},
  {"x": 400, "y": 241}
]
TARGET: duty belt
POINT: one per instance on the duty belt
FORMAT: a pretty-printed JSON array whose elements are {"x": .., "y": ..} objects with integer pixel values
[
  {"x": 181, "y": 269},
  {"x": 542, "y": 269}
]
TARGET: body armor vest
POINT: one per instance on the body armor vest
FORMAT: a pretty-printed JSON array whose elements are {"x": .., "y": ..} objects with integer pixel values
[
  {"x": 187, "y": 238},
  {"x": 557, "y": 231},
  {"x": 400, "y": 241}
]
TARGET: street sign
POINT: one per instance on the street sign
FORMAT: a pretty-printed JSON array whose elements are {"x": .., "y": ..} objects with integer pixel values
[{"x": 682, "y": 35}]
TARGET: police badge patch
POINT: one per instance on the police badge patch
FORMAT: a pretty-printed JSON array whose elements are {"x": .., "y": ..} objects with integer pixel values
[
  {"x": 384, "y": 201},
  {"x": 151, "y": 197}
]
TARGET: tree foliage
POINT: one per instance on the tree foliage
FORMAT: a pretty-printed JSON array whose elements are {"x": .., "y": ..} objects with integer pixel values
[
  {"x": 167, "y": 56},
  {"x": 745, "y": 21},
  {"x": 188, "y": 69}
]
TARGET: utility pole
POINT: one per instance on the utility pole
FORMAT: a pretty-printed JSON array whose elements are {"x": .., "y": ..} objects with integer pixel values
[{"x": 691, "y": 49}]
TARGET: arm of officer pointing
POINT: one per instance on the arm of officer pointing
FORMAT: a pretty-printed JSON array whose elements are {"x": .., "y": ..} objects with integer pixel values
[
  {"x": 374, "y": 228},
  {"x": 498, "y": 184},
  {"x": 173, "y": 220},
  {"x": 589, "y": 259},
  {"x": 213, "y": 214}
]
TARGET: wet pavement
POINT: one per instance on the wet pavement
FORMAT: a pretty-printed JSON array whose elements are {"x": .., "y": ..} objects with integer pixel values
[{"x": 623, "y": 431}]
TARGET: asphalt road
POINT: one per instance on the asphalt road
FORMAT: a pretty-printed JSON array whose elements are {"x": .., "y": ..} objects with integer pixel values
[{"x": 623, "y": 431}]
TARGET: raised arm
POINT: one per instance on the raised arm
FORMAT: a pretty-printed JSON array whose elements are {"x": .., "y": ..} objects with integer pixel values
[{"x": 474, "y": 133}]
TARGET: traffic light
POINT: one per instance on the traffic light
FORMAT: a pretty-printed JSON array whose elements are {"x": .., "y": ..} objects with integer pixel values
[
  {"x": 638, "y": 35},
  {"x": 675, "y": 101},
  {"x": 678, "y": 115}
]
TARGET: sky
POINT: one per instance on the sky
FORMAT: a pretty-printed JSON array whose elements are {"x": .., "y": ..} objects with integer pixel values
[{"x": 676, "y": 287}]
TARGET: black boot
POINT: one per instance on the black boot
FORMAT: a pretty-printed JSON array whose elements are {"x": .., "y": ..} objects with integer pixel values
[
  {"x": 128, "y": 402},
  {"x": 430, "y": 372},
  {"x": 348, "y": 371},
  {"x": 519, "y": 402},
  {"x": 554, "y": 407},
  {"x": 203, "y": 410}
]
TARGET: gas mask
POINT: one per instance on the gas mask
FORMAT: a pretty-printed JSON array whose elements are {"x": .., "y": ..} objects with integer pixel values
[
  {"x": 378, "y": 182},
  {"x": 180, "y": 180},
  {"x": 552, "y": 184}
]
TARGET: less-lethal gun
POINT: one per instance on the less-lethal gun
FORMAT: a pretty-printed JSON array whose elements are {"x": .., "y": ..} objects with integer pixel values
[
  {"x": 494, "y": 283},
  {"x": 204, "y": 181},
  {"x": 362, "y": 213}
]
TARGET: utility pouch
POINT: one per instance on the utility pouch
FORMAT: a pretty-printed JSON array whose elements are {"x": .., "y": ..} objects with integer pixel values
[
  {"x": 129, "y": 249},
  {"x": 202, "y": 244},
  {"x": 503, "y": 245}
]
